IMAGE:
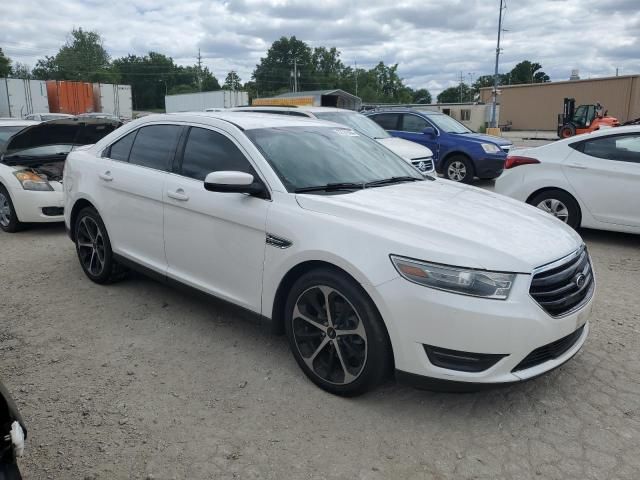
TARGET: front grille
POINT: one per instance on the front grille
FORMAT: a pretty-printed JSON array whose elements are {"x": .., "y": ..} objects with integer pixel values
[
  {"x": 423, "y": 164},
  {"x": 53, "y": 211},
  {"x": 505, "y": 148},
  {"x": 561, "y": 289},
  {"x": 550, "y": 351}
]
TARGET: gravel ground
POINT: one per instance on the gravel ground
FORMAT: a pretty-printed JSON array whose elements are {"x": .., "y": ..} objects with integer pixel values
[{"x": 137, "y": 380}]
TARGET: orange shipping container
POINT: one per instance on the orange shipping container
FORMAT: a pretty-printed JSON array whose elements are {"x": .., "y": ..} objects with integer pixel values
[{"x": 70, "y": 97}]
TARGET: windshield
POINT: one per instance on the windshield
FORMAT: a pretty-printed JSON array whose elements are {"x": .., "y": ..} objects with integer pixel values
[
  {"x": 448, "y": 124},
  {"x": 356, "y": 121},
  {"x": 5, "y": 134},
  {"x": 310, "y": 156}
]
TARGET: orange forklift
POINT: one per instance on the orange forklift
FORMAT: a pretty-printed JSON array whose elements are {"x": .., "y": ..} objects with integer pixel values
[{"x": 584, "y": 119}]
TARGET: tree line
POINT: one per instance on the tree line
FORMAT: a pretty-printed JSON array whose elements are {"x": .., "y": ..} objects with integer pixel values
[{"x": 288, "y": 61}]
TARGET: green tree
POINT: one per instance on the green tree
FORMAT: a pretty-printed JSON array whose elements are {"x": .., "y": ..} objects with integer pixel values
[
  {"x": 457, "y": 94},
  {"x": 21, "y": 70},
  {"x": 5, "y": 64},
  {"x": 82, "y": 58},
  {"x": 526, "y": 72},
  {"x": 232, "y": 81},
  {"x": 422, "y": 95},
  {"x": 274, "y": 72},
  {"x": 327, "y": 67},
  {"x": 150, "y": 77}
]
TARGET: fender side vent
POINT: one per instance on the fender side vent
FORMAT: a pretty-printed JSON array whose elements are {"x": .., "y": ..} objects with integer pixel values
[{"x": 277, "y": 242}]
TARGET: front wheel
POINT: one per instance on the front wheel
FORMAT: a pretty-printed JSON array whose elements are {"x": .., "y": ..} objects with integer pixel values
[
  {"x": 567, "y": 131},
  {"x": 459, "y": 169},
  {"x": 8, "y": 219},
  {"x": 560, "y": 204},
  {"x": 336, "y": 334},
  {"x": 94, "y": 248}
]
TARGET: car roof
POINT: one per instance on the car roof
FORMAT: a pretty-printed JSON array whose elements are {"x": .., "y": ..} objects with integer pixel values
[
  {"x": 17, "y": 123},
  {"x": 243, "y": 120},
  {"x": 404, "y": 110},
  {"x": 304, "y": 109}
]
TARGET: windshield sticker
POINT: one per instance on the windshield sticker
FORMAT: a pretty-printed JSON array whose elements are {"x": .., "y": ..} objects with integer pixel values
[{"x": 346, "y": 133}]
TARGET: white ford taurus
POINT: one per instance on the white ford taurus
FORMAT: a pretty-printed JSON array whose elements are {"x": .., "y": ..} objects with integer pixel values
[{"x": 365, "y": 264}]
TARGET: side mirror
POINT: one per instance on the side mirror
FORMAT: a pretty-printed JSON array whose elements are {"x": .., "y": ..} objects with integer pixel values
[
  {"x": 429, "y": 131},
  {"x": 234, "y": 182}
]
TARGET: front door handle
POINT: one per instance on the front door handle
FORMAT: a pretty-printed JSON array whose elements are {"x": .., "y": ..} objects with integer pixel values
[
  {"x": 106, "y": 176},
  {"x": 577, "y": 166},
  {"x": 178, "y": 195}
]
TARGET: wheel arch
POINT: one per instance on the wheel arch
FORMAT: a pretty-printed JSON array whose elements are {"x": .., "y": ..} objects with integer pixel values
[
  {"x": 75, "y": 210},
  {"x": 563, "y": 190},
  {"x": 454, "y": 153}
]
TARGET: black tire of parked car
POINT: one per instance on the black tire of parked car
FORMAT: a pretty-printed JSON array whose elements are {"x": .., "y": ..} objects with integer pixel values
[
  {"x": 14, "y": 224},
  {"x": 351, "y": 308},
  {"x": 454, "y": 160},
  {"x": 574, "y": 217},
  {"x": 94, "y": 248}
]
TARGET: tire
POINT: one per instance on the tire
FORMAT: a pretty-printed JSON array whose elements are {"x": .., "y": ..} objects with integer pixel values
[
  {"x": 8, "y": 218},
  {"x": 560, "y": 204},
  {"x": 459, "y": 168},
  {"x": 567, "y": 131},
  {"x": 346, "y": 364},
  {"x": 94, "y": 248}
]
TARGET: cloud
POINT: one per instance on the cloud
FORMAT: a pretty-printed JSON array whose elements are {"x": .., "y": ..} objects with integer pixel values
[{"x": 434, "y": 42}]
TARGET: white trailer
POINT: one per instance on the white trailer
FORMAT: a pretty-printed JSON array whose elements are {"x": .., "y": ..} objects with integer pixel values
[
  {"x": 199, "y": 102},
  {"x": 20, "y": 97},
  {"x": 113, "y": 99}
]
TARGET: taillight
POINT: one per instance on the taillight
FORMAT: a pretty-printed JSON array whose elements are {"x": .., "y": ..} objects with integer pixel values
[{"x": 515, "y": 161}]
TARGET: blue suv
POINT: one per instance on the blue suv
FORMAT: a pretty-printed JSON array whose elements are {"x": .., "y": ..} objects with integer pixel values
[{"x": 459, "y": 154}]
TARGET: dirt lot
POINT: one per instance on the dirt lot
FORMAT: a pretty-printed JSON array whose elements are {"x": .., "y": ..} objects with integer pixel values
[{"x": 137, "y": 380}]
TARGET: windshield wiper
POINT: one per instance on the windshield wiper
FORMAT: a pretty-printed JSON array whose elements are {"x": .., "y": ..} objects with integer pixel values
[
  {"x": 331, "y": 187},
  {"x": 392, "y": 180}
]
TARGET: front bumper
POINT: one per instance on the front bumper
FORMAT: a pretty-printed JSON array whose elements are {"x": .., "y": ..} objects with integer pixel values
[
  {"x": 490, "y": 166},
  {"x": 33, "y": 206},
  {"x": 418, "y": 316}
]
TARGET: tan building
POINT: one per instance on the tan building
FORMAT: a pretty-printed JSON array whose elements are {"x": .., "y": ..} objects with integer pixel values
[{"x": 536, "y": 106}]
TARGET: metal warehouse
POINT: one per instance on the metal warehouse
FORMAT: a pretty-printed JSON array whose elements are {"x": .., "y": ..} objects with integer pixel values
[
  {"x": 536, "y": 106},
  {"x": 314, "y": 98}
]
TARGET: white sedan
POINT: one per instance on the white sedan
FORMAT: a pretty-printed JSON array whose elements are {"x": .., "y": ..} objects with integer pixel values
[
  {"x": 591, "y": 180},
  {"x": 366, "y": 264}
]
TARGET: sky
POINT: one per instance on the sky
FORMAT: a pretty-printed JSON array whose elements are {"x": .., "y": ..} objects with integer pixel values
[{"x": 434, "y": 42}]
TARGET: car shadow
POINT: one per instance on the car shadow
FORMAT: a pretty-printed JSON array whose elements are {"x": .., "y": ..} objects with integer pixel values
[{"x": 611, "y": 238}]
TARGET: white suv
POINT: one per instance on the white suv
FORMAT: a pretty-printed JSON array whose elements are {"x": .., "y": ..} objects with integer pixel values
[
  {"x": 363, "y": 262},
  {"x": 417, "y": 155}
]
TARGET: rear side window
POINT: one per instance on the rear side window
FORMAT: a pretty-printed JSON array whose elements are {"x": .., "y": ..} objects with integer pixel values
[
  {"x": 155, "y": 146},
  {"x": 413, "y": 123},
  {"x": 622, "y": 148},
  {"x": 388, "y": 121},
  {"x": 207, "y": 151},
  {"x": 121, "y": 149}
]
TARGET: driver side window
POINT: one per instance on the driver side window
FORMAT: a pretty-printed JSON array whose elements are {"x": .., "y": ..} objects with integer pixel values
[
  {"x": 207, "y": 151},
  {"x": 413, "y": 123}
]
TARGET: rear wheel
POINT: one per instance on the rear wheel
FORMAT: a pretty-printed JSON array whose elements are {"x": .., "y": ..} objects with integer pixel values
[
  {"x": 8, "y": 219},
  {"x": 567, "y": 131},
  {"x": 560, "y": 204},
  {"x": 336, "y": 334},
  {"x": 94, "y": 248},
  {"x": 459, "y": 169}
]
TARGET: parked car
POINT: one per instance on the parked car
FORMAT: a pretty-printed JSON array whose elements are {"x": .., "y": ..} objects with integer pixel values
[
  {"x": 13, "y": 434},
  {"x": 368, "y": 265},
  {"x": 591, "y": 180},
  {"x": 417, "y": 155},
  {"x": 460, "y": 154},
  {"x": 32, "y": 156},
  {"x": 44, "y": 117}
]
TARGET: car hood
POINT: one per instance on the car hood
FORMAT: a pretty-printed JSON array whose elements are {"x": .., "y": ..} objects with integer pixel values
[
  {"x": 481, "y": 137},
  {"x": 67, "y": 131},
  {"x": 455, "y": 224},
  {"x": 405, "y": 148}
]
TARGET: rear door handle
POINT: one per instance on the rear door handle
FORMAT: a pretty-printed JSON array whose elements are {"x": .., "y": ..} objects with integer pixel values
[
  {"x": 577, "y": 166},
  {"x": 178, "y": 195},
  {"x": 106, "y": 176}
]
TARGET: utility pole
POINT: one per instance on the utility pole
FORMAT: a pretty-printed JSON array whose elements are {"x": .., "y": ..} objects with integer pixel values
[
  {"x": 461, "y": 83},
  {"x": 356, "y": 63},
  {"x": 495, "y": 72},
  {"x": 295, "y": 75},
  {"x": 199, "y": 57}
]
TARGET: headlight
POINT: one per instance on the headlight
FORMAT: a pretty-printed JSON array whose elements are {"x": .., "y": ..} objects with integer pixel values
[
  {"x": 32, "y": 181},
  {"x": 491, "y": 148},
  {"x": 465, "y": 281}
]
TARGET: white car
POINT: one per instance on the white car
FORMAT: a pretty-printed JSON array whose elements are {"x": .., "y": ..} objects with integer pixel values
[
  {"x": 32, "y": 156},
  {"x": 417, "y": 155},
  {"x": 365, "y": 263},
  {"x": 591, "y": 180},
  {"x": 44, "y": 117}
]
